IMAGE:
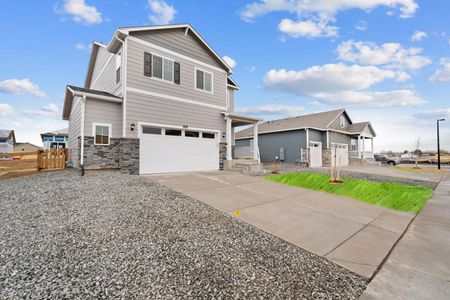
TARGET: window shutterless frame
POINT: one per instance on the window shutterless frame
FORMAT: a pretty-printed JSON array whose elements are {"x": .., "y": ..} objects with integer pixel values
[
  {"x": 94, "y": 132},
  {"x": 204, "y": 80}
]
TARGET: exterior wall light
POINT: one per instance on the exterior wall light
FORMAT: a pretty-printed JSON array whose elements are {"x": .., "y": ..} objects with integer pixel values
[{"x": 132, "y": 126}]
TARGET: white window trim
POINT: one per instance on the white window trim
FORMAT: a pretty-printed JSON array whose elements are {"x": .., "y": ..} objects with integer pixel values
[
  {"x": 195, "y": 81},
  {"x": 173, "y": 68},
  {"x": 94, "y": 124},
  {"x": 118, "y": 66},
  {"x": 166, "y": 126}
]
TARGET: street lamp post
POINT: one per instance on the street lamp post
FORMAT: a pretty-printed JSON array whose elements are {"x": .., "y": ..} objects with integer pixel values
[{"x": 438, "y": 144}]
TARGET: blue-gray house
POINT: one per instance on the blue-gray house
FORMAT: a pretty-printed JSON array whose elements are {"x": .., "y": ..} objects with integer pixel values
[{"x": 315, "y": 139}]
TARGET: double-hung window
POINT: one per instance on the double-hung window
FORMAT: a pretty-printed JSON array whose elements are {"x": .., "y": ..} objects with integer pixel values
[
  {"x": 102, "y": 133},
  {"x": 204, "y": 80},
  {"x": 162, "y": 68}
]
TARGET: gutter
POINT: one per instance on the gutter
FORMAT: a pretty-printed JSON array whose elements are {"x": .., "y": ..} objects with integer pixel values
[
  {"x": 83, "y": 106},
  {"x": 124, "y": 82}
]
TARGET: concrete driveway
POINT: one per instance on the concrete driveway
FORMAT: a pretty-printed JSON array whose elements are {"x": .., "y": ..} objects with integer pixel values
[{"x": 354, "y": 235}]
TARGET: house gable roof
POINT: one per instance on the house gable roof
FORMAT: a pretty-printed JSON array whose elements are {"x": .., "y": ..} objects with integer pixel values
[
  {"x": 91, "y": 64},
  {"x": 122, "y": 32},
  {"x": 7, "y": 134},
  {"x": 72, "y": 91},
  {"x": 320, "y": 121}
]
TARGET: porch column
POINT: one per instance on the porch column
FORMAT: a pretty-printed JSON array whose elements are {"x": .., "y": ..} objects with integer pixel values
[
  {"x": 255, "y": 142},
  {"x": 371, "y": 145},
  {"x": 229, "y": 140},
  {"x": 359, "y": 147},
  {"x": 363, "y": 146}
]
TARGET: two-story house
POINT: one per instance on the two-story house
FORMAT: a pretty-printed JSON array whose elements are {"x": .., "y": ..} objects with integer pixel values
[
  {"x": 155, "y": 99},
  {"x": 318, "y": 139}
]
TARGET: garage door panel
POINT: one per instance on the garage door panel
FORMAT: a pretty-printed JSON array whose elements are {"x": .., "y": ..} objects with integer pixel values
[
  {"x": 341, "y": 153},
  {"x": 161, "y": 154}
]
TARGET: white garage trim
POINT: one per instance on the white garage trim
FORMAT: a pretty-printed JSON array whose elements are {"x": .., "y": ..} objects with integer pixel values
[
  {"x": 140, "y": 124},
  {"x": 342, "y": 154},
  {"x": 162, "y": 153}
]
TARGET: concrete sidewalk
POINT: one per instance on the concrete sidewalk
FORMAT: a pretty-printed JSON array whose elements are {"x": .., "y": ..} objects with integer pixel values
[
  {"x": 350, "y": 233},
  {"x": 419, "y": 266}
]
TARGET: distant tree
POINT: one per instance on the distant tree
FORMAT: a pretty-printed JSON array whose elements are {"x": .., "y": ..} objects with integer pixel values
[
  {"x": 405, "y": 151},
  {"x": 418, "y": 151}
]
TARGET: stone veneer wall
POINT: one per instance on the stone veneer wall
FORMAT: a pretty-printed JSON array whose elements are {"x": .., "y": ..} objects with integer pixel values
[
  {"x": 222, "y": 154},
  {"x": 129, "y": 156},
  {"x": 326, "y": 158},
  {"x": 121, "y": 153}
]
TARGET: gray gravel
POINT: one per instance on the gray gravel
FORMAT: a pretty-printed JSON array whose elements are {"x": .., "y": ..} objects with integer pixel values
[{"x": 109, "y": 235}]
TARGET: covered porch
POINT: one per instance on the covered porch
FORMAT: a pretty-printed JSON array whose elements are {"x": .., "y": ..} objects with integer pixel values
[
  {"x": 252, "y": 158},
  {"x": 361, "y": 146}
]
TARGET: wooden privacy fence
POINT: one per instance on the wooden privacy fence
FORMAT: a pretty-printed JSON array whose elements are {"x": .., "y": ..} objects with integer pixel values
[{"x": 33, "y": 161}]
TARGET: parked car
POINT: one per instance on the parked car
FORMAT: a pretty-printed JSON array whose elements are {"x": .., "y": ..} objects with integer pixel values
[
  {"x": 384, "y": 159},
  {"x": 408, "y": 158}
]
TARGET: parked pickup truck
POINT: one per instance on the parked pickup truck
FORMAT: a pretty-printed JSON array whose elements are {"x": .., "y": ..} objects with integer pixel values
[{"x": 384, "y": 159}]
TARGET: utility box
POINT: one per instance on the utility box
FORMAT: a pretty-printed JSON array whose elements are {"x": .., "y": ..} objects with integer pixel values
[{"x": 281, "y": 153}]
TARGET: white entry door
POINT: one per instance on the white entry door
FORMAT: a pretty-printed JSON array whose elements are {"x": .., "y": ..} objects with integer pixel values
[
  {"x": 341, "y": 153},
  {"x": 164, "y": 150},
  {"x": 315, "y": 154}
]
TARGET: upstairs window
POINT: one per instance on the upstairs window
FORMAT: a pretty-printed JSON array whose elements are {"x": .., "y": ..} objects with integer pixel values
[
  {"x": 161, "y": 68},
  {"x": 204, "y": 80},
  {"x": 342, "y": 122},
  {"x": 102, "y": 133}
]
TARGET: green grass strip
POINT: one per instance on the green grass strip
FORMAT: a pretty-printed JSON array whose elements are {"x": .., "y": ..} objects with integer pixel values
[{"x": 386, "y": 194}]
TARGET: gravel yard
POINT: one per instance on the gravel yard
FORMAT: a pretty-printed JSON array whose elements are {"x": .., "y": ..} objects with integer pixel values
[{"x": 109, "y": 235}]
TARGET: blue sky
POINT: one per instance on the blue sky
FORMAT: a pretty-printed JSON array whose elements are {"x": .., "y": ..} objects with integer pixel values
[{"x": 387, "y": 61}]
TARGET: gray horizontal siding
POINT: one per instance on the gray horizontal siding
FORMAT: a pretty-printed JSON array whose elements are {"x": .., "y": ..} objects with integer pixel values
[
  {"x": 231, "y": 99},
  {"x": 336, "y": 124},
  {"x": 341, "y": 138},
  {"x": 142, "y": 108},
  {"x": 106, "y": 81},
  {"x": 99, "y": 111},
  {"x": 243, "y": 143},
  {"x": 186, "y": 89},
  {"x": 318, "y": 136},
  {"x": 175, "y": 40},
  {"x": 74, "y": 131},
  {"x": 269, "y": 145}
]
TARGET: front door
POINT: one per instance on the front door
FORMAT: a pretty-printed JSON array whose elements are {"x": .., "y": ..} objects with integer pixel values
[{"x": 315, "y": 154}]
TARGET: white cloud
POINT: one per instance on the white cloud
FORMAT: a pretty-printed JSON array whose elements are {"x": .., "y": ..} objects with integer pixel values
[
  {"x": 309, "y": 29},
  {"x": 82, "y": 47},
  {"x": 251, "y": 69},
  {"x": 326, "y": 78},
  {"x": 21, "y": 87},
  {"x": 50, "y": 110},
  {"x": 442, "y": 74},
  {"x": 449, "y": 41},
  {"x": 339, "y": 84},
  {"x": 361, "y": 25},
  {"x": 403, "y": 98},
  {"x": 6, "y": 110},
  {"x": 325, "y": 9},
  {"x": 161, "y": 12},
  {"x": 433, "y": 114},
  {"x": 418, "y": 36},
  {"x": 271, "y": 109},
  {"x": 81, "y": 12},
  {"x": 388, "y": 54},
  {"x": 230, "y": 62},
  {"x": 313, "y": 16}
]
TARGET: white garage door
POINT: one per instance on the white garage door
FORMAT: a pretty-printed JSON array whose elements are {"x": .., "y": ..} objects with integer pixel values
[
  {"x": 315, "y": 154},
  {"x": 164, "y": 150},
  {"x": 341, "y": 154}
]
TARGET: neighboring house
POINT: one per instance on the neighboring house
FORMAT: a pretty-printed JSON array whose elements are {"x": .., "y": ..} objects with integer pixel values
[
  {"x": 55, "y": 139},
  {"x": 26, "y": 147},
  {"x": 7, "y": 140},
  {"x": 311, "y": 139},
  {"x": 155, "y": 99}
]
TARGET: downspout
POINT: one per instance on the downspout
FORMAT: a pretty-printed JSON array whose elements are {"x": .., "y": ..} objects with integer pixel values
[
  {"x": 124, "y": 84},
  {"x": 83, "y": 104}
]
